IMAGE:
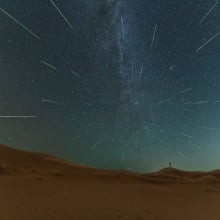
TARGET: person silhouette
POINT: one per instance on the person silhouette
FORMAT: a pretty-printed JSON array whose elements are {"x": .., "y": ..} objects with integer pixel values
[{"x": 170, "y": 164}]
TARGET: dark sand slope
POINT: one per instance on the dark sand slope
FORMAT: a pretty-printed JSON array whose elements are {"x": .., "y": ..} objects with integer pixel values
[{"x": 41, "y": 187}]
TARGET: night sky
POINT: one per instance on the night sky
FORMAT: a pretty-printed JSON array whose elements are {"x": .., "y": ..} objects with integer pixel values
[{"x": 122, "y": 84}]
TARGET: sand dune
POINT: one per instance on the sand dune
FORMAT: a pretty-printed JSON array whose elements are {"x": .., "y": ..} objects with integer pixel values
[{"x": 40, "y": 186}]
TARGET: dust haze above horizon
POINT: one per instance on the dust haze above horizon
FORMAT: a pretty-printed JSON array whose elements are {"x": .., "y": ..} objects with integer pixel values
[{"x": 119, "y": 84}]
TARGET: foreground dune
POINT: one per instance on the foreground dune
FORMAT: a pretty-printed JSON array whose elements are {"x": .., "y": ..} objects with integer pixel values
[{"x": 42, "y": 187}]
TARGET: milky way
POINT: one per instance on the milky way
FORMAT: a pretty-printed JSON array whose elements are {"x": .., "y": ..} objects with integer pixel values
[{"x": 112, "y": 83}]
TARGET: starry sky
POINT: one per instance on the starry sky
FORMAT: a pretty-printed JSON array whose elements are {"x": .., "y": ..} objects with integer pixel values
[{"x": 122, "y": 84}]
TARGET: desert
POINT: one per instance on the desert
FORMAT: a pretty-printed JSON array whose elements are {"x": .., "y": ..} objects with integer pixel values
[{"x": 40, "y": 186}]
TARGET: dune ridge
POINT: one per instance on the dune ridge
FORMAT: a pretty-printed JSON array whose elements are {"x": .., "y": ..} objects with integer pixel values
[{"x": 18, "y": 161}]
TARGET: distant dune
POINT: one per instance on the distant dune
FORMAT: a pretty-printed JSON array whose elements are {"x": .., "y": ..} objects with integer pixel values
[
  {"x": 18, "y": 161},
  {"x": 181, "y": 176},
  {"x": 40, "y": 186}
]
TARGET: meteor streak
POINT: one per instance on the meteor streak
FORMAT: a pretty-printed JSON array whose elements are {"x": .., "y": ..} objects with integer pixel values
[
  {"x": 207, "y": 42},
  {"x": 60, "y": 12},
  {"x": 18, "y": 116},
  {"x": 19, "y": 23}
]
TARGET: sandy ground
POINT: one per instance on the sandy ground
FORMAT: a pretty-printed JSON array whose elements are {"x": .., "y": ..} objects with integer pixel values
[{"x": 38, "y": 186}]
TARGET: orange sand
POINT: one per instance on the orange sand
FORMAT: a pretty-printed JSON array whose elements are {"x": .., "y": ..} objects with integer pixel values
[{"x": 38, "y": 186}]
